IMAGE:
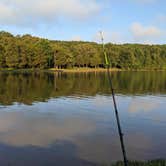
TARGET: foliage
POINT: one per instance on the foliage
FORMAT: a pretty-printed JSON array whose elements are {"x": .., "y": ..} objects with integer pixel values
[{"x": 21, "y": 52}]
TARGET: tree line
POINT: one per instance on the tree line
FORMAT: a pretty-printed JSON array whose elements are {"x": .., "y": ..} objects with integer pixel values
[{"x": 26, "y": 51}]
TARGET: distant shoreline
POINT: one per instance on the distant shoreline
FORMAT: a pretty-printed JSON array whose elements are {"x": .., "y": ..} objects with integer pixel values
[
  {"x": 76, "y": 70},
  {"x": 84, "y": 70},
  {"x": 98, "y": 70}
]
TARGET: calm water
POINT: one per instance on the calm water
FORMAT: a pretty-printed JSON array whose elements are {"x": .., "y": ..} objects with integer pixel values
[{"x": 68, "y": 119}]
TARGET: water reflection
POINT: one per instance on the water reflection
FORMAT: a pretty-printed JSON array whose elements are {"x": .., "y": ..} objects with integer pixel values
[
  {"x": 30, "y": 87},
  {"x": 75, "y": 125},
  {"x": 143, "y": 105},
  {"x": 60, "y": 153},
  {"x": 24, "y": 128}
]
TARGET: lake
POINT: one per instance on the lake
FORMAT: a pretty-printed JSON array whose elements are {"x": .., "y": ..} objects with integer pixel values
[{"x": 58, "y": 119}]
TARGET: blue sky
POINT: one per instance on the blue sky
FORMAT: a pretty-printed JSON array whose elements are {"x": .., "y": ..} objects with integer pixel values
[{"x": 122, "y": 21}]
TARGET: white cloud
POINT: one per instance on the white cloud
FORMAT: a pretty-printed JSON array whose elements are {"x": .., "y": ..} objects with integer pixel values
[
  {"x": 76, "y": 38},
  {"x": 16, "y": 12},
  {"x": 145, "y": 33},
  {"x": 144, "y": 1}
]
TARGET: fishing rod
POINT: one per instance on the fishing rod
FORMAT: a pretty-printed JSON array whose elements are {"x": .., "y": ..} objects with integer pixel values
[{"x": 114, "y": 102}]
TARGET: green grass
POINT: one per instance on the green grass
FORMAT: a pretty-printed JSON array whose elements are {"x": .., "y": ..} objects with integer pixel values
[{"x": 143, "y": 163}]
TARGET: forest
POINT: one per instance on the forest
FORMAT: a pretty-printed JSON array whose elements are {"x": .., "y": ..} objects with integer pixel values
[{"x": 28, "y": 52}]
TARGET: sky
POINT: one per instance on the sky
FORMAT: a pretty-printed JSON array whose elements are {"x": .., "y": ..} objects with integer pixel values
[{"x": 122, "y": 21}]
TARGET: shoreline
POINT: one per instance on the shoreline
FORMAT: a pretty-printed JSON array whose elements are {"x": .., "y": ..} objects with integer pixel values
[
  {"x": 98, "y": 70},
  {"x": 77, "y": 70},
  {"x": 83, "y": 70}
]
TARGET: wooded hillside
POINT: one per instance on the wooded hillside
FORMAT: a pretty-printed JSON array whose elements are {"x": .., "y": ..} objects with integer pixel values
[{"x": 21, "y": 52}]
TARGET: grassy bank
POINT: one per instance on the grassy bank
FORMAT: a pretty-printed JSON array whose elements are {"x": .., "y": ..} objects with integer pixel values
[
  {"x": 139, "y": 163},
  {"x": 84, "y": 70},
  {"x": 142, "y": 163},
  {"x": 74, "y": 70}
]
